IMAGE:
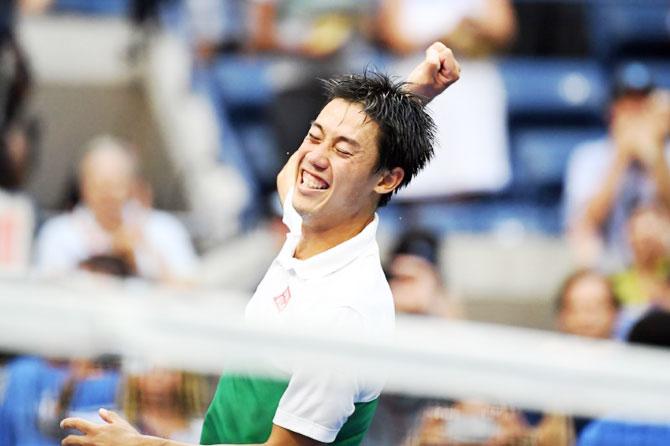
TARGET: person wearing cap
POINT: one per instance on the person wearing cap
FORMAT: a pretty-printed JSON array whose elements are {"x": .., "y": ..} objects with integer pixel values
[
  {"x": 608, "y": 178},
  {"x": 416, "y": 281}
]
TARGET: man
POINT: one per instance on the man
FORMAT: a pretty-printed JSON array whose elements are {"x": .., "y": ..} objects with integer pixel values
[
  {"x": 608, "y": 178},
  {"x": 371, "y": 138},
  {"x": 112, "y": 220}
]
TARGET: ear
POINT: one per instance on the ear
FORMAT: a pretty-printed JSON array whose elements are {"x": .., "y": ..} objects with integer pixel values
[{"x": 390, "y": 180}]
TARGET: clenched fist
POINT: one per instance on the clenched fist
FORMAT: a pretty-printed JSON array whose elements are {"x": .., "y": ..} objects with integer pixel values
[{"x": 438, "y": 70}]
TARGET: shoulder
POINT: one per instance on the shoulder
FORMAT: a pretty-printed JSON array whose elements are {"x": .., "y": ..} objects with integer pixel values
[
  {"x": 595, "y": 150},
  {"x": 365, "y": 293},
  {"x": 62, "y": 225},
  {"x": 164, "y": 220},
  {"x": 164, "y": 225}
]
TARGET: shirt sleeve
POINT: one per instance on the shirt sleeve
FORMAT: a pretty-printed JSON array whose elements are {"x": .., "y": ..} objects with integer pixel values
[
  {"x": 319, "y": 400},
  {"x": 56, "y": 250},
  {"x": 171, "y": 241},
  {"x": 583, "y": 176},
  {"x": 291, "y": 218}
]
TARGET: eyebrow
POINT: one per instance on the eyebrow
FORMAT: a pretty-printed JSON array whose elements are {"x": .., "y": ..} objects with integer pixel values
[{"x": 350, "y": 141}]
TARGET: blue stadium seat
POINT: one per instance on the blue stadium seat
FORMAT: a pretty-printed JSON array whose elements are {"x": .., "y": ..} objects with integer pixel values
[
  {"x": 243, "y": 81},
  {"x": 615, "y": 433},
  {"x": 31, "y": 381},
  {"x": 613, "y": 25},
  {"x": 478, "y": 216},
  {"x": 93, "y": 7},
  {"x": 540, "y": 154},
  {"x": 554, "y": 88}
]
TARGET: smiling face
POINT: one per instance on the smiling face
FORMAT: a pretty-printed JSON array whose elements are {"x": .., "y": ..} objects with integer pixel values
[
  {"x": 588, "y": 309},
  {"x": 336, "y": 180}
]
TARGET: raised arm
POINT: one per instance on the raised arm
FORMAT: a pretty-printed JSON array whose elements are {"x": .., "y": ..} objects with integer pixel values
[{"x": 435, "y": 73}]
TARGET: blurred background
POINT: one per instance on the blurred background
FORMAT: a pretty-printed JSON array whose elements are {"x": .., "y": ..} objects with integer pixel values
[{"x": 141, "y": 140}]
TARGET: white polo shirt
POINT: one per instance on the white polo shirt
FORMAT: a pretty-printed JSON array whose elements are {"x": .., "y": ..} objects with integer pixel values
[{"x": 343, "y": 288}]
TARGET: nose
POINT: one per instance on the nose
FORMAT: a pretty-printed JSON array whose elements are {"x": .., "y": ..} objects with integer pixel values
[{"x": 317, "y": 157}]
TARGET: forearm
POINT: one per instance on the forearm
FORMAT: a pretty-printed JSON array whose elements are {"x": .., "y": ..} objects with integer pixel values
[
  {"x": 498, "y": 24},
  {"x": 661, "y": 176},
  {"x": 389, "y": 31},
  {"x": 600, "y": 206},
  {"x": 155, "y": 441},
  {"x": 263, "y": 30}
]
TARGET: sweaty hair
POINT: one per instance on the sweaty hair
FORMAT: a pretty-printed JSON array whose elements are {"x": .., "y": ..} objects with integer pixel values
[{"x": 407, "y": 132}]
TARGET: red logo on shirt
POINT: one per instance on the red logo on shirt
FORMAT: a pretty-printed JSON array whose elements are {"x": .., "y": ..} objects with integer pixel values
[{"x": 281, "y": 301}]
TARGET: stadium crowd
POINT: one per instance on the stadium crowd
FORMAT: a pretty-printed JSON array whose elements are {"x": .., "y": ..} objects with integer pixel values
[{"x": 577, "y": 151}]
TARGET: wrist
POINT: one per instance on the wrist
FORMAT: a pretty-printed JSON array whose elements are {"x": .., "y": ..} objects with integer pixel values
[{"x": 147, "y": 440}]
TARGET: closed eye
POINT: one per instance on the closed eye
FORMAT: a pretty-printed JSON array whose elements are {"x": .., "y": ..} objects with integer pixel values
[
  {"x": 343, "y": 151},
  {"x": 313, "y": 138}
]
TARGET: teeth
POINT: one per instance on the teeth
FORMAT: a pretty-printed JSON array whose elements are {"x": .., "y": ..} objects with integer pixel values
[{"x": 313, "y": 182}]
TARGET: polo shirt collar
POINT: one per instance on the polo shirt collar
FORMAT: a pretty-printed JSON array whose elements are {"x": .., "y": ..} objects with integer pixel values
[{"x": 332, "y": 259}]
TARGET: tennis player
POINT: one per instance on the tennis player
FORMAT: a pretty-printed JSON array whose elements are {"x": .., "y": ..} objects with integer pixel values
[{"x": 371, "y": 138}]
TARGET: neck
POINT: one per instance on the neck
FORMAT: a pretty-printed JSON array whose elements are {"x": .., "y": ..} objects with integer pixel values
[
  {"x": 166, "y": 408},
  {"x": 315, "y": 240},
  {"x": 647, "y": 266}
]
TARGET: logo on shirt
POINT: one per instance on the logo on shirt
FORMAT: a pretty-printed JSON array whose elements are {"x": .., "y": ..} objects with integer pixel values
[{"x": 282, "y": 300}]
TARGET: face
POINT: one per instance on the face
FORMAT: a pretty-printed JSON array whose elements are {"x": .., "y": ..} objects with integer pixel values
[
  {"x": 18, "y": 147},
  {"x": 587, "y": 309},
  {"x": 629, "y": 104},
  {"x": 159, "y": 385},
  {"x": 336, "y": 179},
  {"x": 106, "y": 185},
  {"x": 414, "y": 284}
]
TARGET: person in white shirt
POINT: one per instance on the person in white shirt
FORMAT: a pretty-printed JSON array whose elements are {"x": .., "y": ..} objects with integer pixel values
[
  {"x": 111, "y": 221},
  {"x": 607, "y": 179},
  {"x": 471, "y": 155},
  {"x": 371, "y": 138}
]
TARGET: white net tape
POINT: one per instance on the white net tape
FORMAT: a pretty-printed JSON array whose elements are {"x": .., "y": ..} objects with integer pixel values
[{"x": 203, "y": 332}]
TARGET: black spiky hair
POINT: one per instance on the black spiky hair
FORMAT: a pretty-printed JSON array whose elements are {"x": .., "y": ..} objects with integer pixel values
[{"x": 407, "y": 132}]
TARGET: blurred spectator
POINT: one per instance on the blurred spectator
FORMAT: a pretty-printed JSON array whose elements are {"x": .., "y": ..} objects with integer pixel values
[
  {"x": 217, "y": 26},
  {"x": 586, "y": 305},
  {"x": 651, "y": 330},
  {"x": 649, "y": 235},
  {"x": 471, "y": 155},
  {"x": 113, "y": 220},
  {"x": 108, "y": 265},
  {"x": 417, "y": 287},
  {"x": 17, "y": 212},
  {"x": 15, "y": 78},
  {"x": 308, "y": 41},
  {"x": 303, "y": 28},
  {"x": 415, "y": 278},
  {"x": 471, "y": 423},
  {"x": 165, "y": 403},
  {"x": 38, "y": 393},
  {"x": 608, "y": 178}
]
